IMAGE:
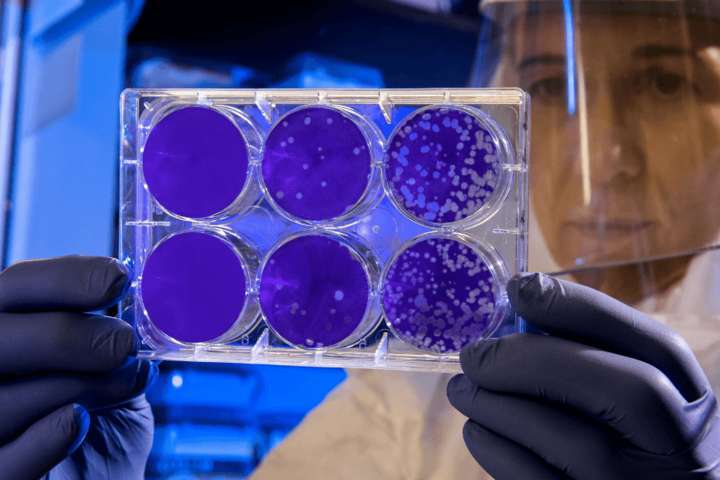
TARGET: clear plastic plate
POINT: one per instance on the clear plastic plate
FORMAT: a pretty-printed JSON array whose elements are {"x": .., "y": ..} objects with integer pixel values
[{"x": 342, "y": 228}]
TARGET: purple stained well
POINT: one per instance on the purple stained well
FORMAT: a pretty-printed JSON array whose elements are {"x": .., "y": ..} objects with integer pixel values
[
  {"x": 316, "y": 164},
  {"x": 314, "y": 292},
  {"x": 195, "y": 162},
  {"x": 442, "y": 164},
  {"x": 438, "y": 295},
  {"x": 193, "y": 287}
]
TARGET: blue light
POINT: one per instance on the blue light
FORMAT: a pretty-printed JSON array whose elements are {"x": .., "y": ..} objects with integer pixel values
[
  {"x": 312, "y": 70},
  {"x": 570, "y": 55}
]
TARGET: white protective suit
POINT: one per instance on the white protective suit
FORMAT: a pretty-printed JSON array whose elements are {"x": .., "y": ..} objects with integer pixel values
[{"x": 394, "y": 425}]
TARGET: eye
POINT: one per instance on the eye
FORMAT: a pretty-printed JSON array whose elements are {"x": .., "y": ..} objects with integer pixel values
[
  {"x": 551, "y": 88},
  {"x": 668, "y": 84},
  {"x": 665, "y": 84}
]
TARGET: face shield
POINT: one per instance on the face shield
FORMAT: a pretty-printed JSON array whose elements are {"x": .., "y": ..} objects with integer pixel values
[{"x": 625, "y": 149}]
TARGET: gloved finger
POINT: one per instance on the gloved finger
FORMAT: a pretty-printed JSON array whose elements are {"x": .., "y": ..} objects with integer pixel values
[
  {"x": 72, "y": 283},
  {"x": 585, "y": 315},
  {"x": 25, "y": 401},
  {"x": 628, "y": 395},
  {"x": 45, "y": 443},
  {"x": 117, "y": 445},
  {"x": 558, "y": 436},
  {"x": 31, "y": 342},
  {"x": 504, "y": 459}
]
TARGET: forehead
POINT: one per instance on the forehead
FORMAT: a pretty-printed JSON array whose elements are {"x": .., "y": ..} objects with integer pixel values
[{"x": 546, "y": 33}]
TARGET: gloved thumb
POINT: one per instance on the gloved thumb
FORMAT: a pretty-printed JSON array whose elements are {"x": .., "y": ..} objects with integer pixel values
[{"x": 45, "y": 443}]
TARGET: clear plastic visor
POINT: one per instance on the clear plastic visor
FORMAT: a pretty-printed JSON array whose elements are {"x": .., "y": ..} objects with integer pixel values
[{"x": 625, "y": 149}]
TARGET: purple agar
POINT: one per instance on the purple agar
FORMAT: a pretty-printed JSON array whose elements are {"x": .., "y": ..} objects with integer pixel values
[
  {"x": 439, "y": 295},
  {"x": 317, "y": 164},
  {"x": 314, "y": 292},
  {"x": 193, "y": 288},
  {"x": 195, "y": 162},
  {"x": 442, "y": 164}
]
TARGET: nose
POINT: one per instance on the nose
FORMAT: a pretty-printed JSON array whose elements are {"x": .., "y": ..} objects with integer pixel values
[
  {"x": 615, "y": 157},
  {"x": 614, "y": 139}
]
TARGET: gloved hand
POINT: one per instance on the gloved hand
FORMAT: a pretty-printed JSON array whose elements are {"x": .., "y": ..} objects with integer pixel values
[
  {"x": 608, "y": 394},
  {"x": 117, "y": 444},
  {"x": 59, "y": 366}
]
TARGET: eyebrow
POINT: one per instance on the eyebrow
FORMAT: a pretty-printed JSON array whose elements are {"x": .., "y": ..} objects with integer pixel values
[
  {"x": 657, "y": 51},
  {"x": 645, "y": 52},
  {"x": 548, "y": 59}
]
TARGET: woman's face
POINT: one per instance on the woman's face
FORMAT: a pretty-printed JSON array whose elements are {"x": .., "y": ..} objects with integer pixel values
[{"x": 634, "y": 171}]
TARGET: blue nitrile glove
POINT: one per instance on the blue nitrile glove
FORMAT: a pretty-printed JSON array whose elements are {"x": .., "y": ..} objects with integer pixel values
[
  {"x": 61, "y": 371},
  {"x": 608, "y": 394},
  {"x": 117, "y": 444}
]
